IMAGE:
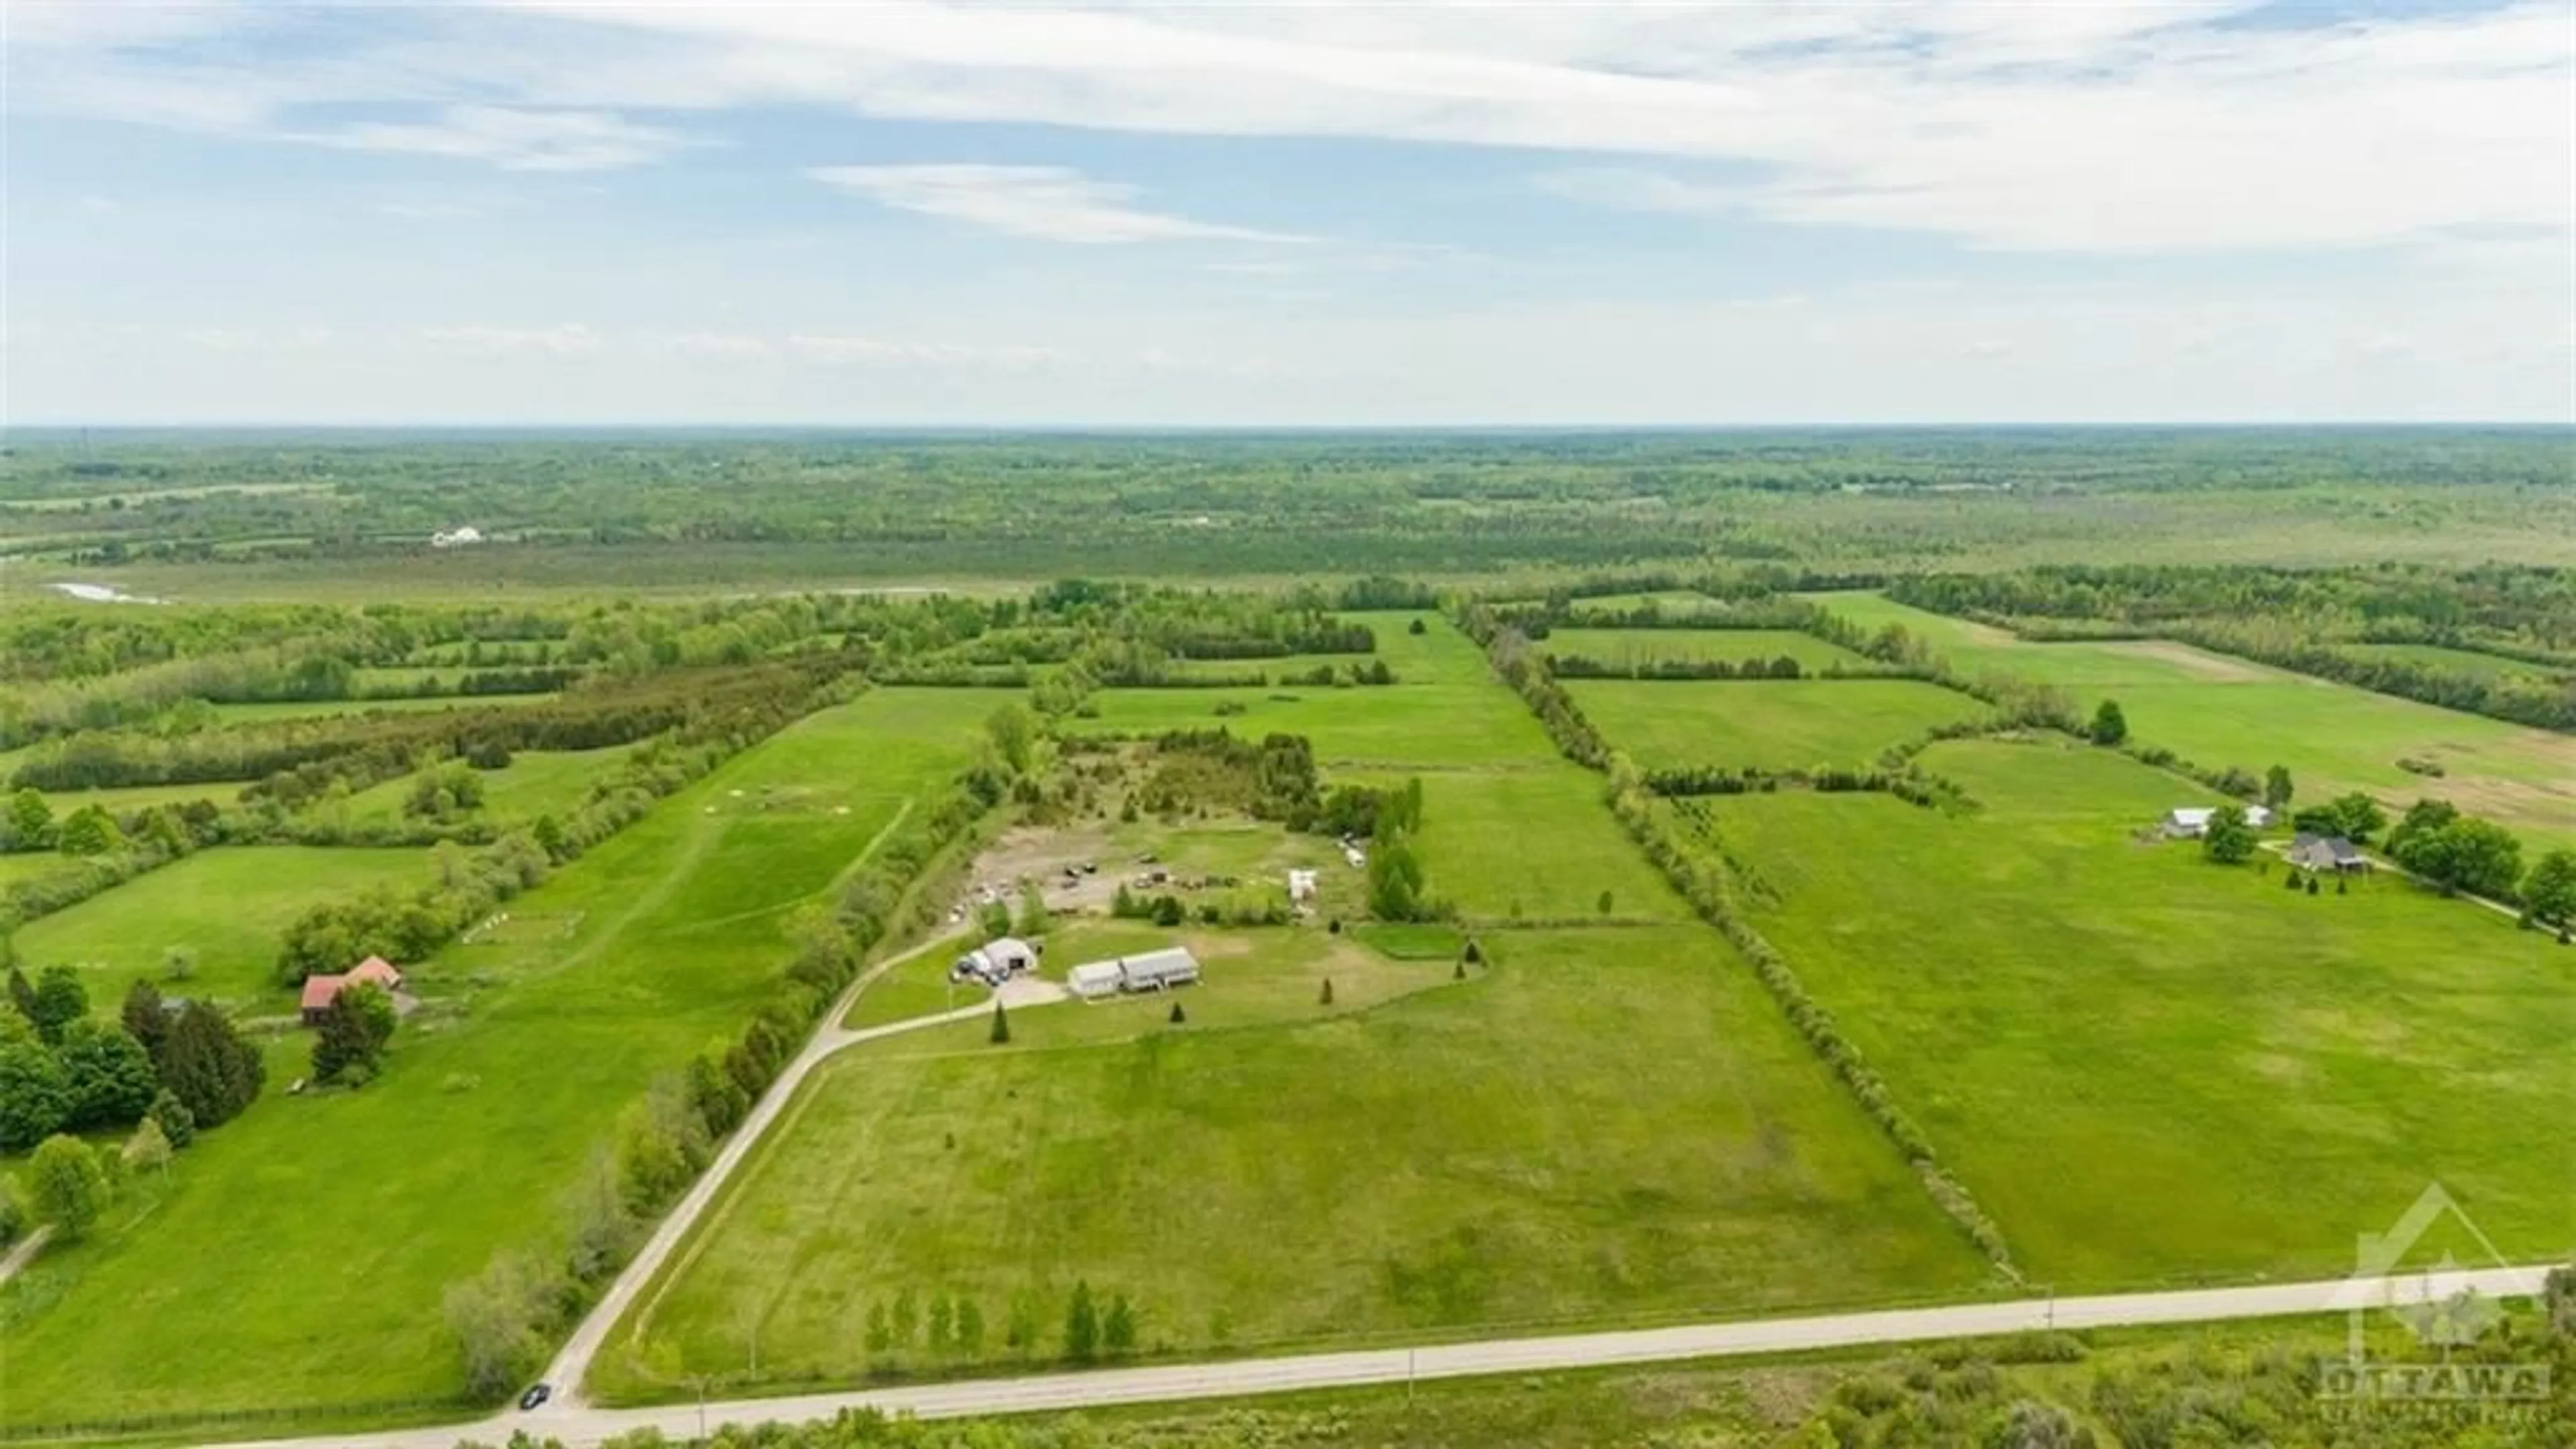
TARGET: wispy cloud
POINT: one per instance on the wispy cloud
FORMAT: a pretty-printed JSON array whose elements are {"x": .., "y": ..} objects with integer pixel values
[
  {"x": 515, "y": 139},
  {"x": 1053, "y": 202},
  {"x": 570, "y": 339}
]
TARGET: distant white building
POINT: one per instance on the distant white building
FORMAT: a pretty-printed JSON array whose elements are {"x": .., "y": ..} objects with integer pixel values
[
  {"x": 1301, "y": 886},
  {"x": 1094, "y": 979},
  {"x": 2191, "y": 822},
  {"x": 456, "y": 537}
]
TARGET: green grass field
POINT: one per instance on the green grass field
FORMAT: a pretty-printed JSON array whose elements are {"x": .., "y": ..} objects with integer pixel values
[
  {"x": 1634, "y": 646},
  {"x": 301, "y": 1253},
  {"x": 1775, "y": 725},
  {"x": 2218, "y": 711},
  {"x": 1611, "y": 1124},
  {"x": 1536, "y": 845},
  {"x": 1387, "y": 726},
  {"x": 2149, "y": 1068},
  {"x": 534, "y": 783},
  {"x": 229, "y": 906}
]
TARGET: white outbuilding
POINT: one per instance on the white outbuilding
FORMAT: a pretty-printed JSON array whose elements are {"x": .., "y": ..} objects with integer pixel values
[
  {"x": 1094, "y": 979},
  {"x": 1301, "y": 886},
  {"x": 1158, "y": 970}
]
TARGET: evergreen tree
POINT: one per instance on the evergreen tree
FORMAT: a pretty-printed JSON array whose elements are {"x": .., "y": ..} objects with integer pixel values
[
  {"x": 35, "y": 1094},
  {"x": 1001, "y": 1026},
  {"x": 1118, "y": 1330},
  {"x": 350, "y": 1039},
  {"x": 209, "y": 1068},
  {"x": 2110, "y": 726},
  {"x": 59, "y": 1000},
  {"x": 1081, "y": 1326},
  {"x": 108, "y": 1075},
  {"x": 177, "y": 1124}
]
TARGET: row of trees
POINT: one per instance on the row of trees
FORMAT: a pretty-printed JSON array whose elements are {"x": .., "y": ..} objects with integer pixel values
[{"x": 953, "y": 1327}]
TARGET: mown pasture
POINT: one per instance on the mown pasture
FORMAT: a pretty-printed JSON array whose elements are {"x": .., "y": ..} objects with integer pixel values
[
  {"x": 2153, "y": 1069},
  {"x": 225, "y": 908},
  {"x": 2217, "y": 711},
  {"x": 301, "y": 1252},
  {"x": 1607, "y": 1124},
  {"x": 1535, "y": 845},
  {"x": 1627, "y": 648},
  {"x": 1377, "y": 726},
  {"x": 1766, "y": 724}
]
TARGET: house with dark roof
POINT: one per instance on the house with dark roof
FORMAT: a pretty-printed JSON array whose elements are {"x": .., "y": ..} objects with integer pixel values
[{"x": 2331, "y": 854}]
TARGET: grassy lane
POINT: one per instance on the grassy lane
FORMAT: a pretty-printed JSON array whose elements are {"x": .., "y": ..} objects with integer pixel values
[{"x": 301, "y": 1254}]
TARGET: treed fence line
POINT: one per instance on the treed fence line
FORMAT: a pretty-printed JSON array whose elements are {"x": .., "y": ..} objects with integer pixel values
[{"x": 1706, "y": 888}]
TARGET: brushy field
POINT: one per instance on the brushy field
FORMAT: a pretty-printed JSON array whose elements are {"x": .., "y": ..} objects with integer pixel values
[
  {"x": 2149, "y": 1068},
  {"x": 534, "y": 783},
  {"x": 227, "y": 907},
  {"x": 1606, "y": 1125},
  {"x": 301, "y": 1252},
  {"x": 1770, "y": 724},
  {"x": 2490, "y": 667},
  {"x": 2217, "y": 711},
  {"x": 1636, "y": 646}
]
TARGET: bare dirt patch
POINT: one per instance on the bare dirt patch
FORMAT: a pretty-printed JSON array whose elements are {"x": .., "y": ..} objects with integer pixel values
[
  {"x": 2550, "y": 806},
  {"x": 2198, "y": 663},
  {"x": 1042, "y": 855}
]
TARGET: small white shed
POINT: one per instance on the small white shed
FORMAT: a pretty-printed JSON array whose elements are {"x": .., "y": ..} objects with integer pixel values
[{"x": 1301, "y": 886}]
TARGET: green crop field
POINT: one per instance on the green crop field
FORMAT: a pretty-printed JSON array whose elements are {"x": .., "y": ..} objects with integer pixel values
[
  {"x": 339, "y": 1218},
  {"x": 2218, "y": 711},
  {"x": 1770, "y": 724},
  {"x": 225, "y": 906},
  {"x": 2149, "y": 1068},
  {"x": 1626, "y": 647},
  {"x": 1610, "y": 1123},
  {"x": 534, "y": 783}
]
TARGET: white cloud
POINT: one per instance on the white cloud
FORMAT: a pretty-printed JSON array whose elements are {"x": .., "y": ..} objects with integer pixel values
[
  {"x": 845, "y": 350},
  {"x": 516, "y": 140},
  {"x": 2085, "y": 128},
  {"x": 1053, "y": 202},
  {"x": 569, "y": 339}
]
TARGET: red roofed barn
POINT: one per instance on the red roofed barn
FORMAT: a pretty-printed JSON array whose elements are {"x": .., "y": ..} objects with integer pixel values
[{"x": 321, "y": 991}]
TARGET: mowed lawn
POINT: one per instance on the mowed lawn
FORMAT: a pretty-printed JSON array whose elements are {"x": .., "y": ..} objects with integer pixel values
[
  {"x": 1611, "y": 1124},
  {"x": 229, "y": 907},
  {"x": 1428, "y": 725},
  {"x": 1769, "y": 724},
  {"x": 2151, "y": 1069},
  {"x": 302, "y": 1253},
  {"x": 1630, "y": 647},
  {"x": 2218, "y": 711}
]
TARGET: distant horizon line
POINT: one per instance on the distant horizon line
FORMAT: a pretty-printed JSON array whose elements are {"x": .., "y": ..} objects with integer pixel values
[{"x": 1043, "y": 429}]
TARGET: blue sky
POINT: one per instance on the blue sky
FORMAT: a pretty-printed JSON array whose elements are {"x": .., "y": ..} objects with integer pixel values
[{"x": 919, "y": 213}]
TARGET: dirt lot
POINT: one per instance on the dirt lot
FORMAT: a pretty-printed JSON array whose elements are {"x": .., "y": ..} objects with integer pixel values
[{"x": 2199, "y": 663}]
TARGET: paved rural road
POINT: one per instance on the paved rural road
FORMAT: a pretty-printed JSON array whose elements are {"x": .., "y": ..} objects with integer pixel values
[
  {"x": 582, "y": 1427},
  {"x": 572, "y": 1363}
]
